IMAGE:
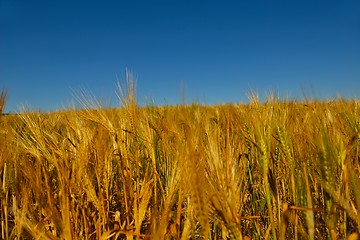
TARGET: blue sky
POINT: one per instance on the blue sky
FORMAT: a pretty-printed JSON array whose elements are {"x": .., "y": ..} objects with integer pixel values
[{"x": 218, "y": 50}]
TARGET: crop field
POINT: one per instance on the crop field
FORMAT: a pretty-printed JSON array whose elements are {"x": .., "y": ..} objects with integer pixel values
[{"x": 271, "y": 170}]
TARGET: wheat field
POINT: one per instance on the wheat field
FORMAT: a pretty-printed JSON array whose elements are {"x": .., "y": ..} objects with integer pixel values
[{"x": 272, "y": 170}]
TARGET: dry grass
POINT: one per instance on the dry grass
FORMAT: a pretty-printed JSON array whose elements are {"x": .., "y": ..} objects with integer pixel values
[{"x": 278, "y": 170}]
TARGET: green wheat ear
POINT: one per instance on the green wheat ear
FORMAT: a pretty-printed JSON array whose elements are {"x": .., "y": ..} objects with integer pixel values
[{"x": 3, "y": 98}]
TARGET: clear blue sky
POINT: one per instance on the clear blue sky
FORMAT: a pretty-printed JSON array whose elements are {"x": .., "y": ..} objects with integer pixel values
[{"x": 219, "y": 50}]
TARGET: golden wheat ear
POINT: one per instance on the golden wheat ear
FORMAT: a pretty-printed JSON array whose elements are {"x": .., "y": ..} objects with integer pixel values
[{"x": 3, "y": 98}]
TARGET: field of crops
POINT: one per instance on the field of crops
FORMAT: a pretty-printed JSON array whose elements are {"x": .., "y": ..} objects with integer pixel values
[{"x": 273, "y": 170}]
